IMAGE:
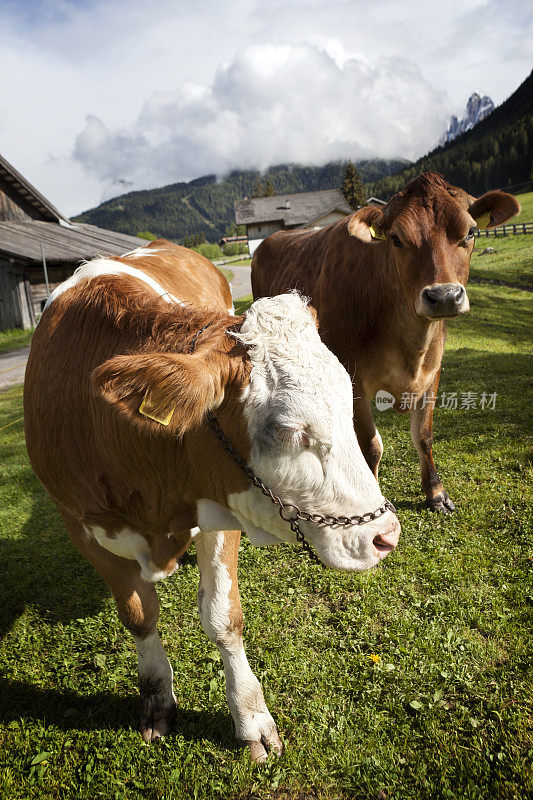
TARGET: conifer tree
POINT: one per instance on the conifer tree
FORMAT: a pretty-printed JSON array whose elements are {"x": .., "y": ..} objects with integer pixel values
[{"x": 352, "y": 188}]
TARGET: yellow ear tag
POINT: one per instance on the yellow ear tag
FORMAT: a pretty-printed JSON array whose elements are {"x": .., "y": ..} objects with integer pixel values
[
  {"x": 149, "y": 408},
  {"x": 483, "y": 221},
  {"x": 376, "y": 233}
]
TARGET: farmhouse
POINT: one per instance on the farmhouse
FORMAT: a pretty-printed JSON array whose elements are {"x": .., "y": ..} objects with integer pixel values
[
  {"x": 30, "y": 226},
  {"x": 265, "y": 215}
]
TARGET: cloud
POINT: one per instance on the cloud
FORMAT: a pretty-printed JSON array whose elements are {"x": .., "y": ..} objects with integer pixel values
[
  {"x": 270, "y": 103},
  {"x": 153, "y": 95}
]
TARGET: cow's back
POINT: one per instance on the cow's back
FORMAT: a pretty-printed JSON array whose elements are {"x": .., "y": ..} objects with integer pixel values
[
  {"x": 182, "y": 272},
  {"x": 74, "y": 440},
  {"x": 287, "y": 260}
]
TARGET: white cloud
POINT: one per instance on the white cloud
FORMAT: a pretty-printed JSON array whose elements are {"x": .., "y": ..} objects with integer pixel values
[
  {"x": 271, "y": 103},
  {"x": 104, "y": 90}
]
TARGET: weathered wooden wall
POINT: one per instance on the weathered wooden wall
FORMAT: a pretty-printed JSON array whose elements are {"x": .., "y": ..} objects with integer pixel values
[{"x": 16, "y": 301}]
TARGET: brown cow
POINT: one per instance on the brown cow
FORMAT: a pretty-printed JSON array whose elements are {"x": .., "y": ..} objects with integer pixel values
[
  {"x": 129, "y": 361},
  {"x": 383, "y": 282}
]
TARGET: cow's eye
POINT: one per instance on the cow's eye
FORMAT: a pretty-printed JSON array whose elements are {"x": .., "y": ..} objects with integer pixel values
[
  {"x": 396, "y": 240},
  {"x": 470, "y": 234}
]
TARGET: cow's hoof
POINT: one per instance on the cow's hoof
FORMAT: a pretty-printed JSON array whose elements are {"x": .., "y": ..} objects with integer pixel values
[
  {"x": 441, "y": 503},
  {"x": 269, "y": 743},
  {"x": 158, "y": 715}
]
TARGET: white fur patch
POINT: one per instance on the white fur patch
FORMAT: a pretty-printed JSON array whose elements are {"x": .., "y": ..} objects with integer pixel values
[
  {"x": 142, "y": 251},
  {"x": 133, "y": 546},
  {"x": 106, "y": 266},
  {"x": 299, "y": 408},
  {"x": 212, "y": 516}
]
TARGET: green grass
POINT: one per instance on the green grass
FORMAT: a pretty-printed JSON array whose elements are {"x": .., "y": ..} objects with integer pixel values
[
  {"x": 227, "y": 273},
  {"x": 526, "y": 214},
  {"x": 511, "y": 263},
  {"x": 242, "y": 304},
  {"x": 443, "y": 713},
  {"x": 14, "y": 339}
]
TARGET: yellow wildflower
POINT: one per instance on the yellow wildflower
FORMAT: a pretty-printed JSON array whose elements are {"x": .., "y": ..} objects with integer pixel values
[{"x": 375, "y": 658}]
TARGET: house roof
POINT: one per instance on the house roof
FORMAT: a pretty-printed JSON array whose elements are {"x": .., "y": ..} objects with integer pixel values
[
  {"x": 62, "y": 244},
  {"x": 29, "y": 193},
  {"x": 290, "y": 209}
]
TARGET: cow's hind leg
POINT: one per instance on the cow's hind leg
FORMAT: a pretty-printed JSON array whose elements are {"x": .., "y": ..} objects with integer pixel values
[
  {"x": 138, "y": 609},
  {"x": 221, "y": 615},
  {"x": 367, "y": 433}
]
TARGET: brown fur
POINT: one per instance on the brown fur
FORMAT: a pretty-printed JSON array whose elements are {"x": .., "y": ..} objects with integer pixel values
[
  {"x": 95, "y": 352},
  {"x": 365, "y": 290}
]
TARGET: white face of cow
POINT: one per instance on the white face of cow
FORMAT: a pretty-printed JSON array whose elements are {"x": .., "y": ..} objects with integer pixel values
[{"x": 299, "y": 409}]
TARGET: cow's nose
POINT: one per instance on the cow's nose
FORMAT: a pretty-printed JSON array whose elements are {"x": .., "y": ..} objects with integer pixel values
[
  {"x": 386, "y": 541},
  {"x": 446, "y": 298},
  {"x": 449, "y": 293}
]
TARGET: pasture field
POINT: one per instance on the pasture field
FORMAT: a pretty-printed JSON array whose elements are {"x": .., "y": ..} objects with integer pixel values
[
  {"x": 526, "y": 214},
  {"x": 14, "y": 339},
  {"x": 412, "y": 681}
]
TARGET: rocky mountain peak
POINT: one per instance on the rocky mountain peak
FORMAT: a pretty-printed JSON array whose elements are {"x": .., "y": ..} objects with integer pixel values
[{"x": 477, "y": 109}]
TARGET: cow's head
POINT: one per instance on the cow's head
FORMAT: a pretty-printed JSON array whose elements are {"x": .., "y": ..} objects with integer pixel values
[
  {"x": 428, "y": 229},
  {"x": 298, "y": 405},
  {"x": 287, "y": 409}
]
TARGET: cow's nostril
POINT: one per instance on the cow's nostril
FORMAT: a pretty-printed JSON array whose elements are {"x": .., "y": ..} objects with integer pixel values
[
  {"x": 432, "y": 296},
  {"x": 458, "y": 295},
  {"x": 383, "y": 544}
]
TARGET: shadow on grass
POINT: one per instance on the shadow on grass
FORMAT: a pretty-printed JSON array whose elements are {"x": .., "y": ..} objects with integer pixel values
[
  {"x": 68, "y": 710},
  {"x": 42, "y": 568}
]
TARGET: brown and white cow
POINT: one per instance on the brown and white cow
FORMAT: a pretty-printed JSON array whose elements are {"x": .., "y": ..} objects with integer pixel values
[
  {"x": 384, "y": 282},
  {"x": 129, "y": 356}
]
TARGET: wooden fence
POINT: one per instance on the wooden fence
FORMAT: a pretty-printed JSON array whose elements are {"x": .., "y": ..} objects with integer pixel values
[{"x": 507, "y": 230}]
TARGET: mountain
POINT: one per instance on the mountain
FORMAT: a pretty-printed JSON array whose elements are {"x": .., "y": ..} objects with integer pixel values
[
  {"x": 205, "y": 205},
  {"x": 496, "y": 153},
  {"x": 477, "y": 109}
]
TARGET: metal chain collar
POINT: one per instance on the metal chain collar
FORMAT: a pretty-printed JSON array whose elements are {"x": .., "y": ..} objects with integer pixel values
[{"x": 295, "y": 513}]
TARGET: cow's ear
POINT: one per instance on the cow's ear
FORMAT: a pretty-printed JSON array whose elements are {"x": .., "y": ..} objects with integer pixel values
[
  {"x": 167, "y": 389},
  {"x": 367, "y": 224},
  {"x": 494, "y": 208}
]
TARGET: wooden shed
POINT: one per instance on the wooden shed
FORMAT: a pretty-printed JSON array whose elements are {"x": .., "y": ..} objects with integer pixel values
[{"x": 29, "y": 225}]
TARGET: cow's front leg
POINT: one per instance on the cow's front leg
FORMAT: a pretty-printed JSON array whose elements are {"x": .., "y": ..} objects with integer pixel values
[
  {"x": 422, "y": 435},
  {"x": 221, "y": 615}
]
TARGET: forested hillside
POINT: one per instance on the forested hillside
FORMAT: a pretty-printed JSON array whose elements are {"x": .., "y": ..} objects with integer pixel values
[
  {"x": 495, "y": 154},
  {"x": 205, "y": 205}
]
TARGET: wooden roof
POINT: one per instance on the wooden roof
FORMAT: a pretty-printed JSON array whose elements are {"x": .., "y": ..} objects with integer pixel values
[
  {"x": 29, "y": 193},
  {"x": 290, "y": 209},
  {"x": 62, "y": 243}
]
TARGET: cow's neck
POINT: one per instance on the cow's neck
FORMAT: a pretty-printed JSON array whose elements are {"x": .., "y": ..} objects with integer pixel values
[{"x": 403, "y": 345}]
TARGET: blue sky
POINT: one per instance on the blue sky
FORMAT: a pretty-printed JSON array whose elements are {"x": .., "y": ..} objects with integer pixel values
[{"x": 106, "y": 96}]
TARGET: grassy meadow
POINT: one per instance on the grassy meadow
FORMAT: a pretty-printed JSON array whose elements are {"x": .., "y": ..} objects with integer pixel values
[
  {"x": 412, "y": 681},
  {"x": 526, "y": 213},
  {"x": 14, "y": 339}
]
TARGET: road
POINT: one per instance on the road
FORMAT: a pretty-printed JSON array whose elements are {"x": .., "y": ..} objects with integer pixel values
[
  {"x": 241, "y": 284},
  {"x": 13, "y": 365}
]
